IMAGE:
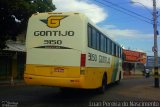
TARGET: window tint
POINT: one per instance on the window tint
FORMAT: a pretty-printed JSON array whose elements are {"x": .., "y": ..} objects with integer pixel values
[
  {"x": 102, "y": 43},
  {"x": 89, "y": 36},
  {"x": 110, "y": 47},
  {"x": 98, "y": 41},
  {"x": 118, "y": 51},
  {"x": 106, "y": 45},
  {"x": 115, "y": 49},
  {"x": 94, "y": 38}
]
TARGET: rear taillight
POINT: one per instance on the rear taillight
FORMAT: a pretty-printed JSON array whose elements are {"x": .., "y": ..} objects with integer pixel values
[{"x": 83, "y": 60}]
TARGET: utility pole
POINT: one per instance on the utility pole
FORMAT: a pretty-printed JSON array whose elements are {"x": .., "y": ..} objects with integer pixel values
[{"x": 155, "y": 48}]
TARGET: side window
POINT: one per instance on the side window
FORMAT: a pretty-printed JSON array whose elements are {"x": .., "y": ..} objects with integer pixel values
[
  {"x": 118, "y": 51},
  {"x": 112, "y": 48},
  {"x": 89, "y": 36},
  {"x": 102, "y": 43},
  {"x": 98, "y": 41},
  {"x": 115, "y": 49},
  {"x": 106, "y": 45},
  {"x": 94, "y": 38}
]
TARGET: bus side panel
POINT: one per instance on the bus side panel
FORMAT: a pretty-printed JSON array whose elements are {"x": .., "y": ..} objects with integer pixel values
[
  {"x": 93, "y": 76},
  {"x": 116, "y": 69},
  {"x": 98, "y": 64},
  {"x": 96, "y": 69},
  {"x": 113, "y": 71}
]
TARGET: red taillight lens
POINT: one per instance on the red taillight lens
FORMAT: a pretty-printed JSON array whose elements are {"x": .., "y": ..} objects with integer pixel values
[{"x": 83, "y": 60}]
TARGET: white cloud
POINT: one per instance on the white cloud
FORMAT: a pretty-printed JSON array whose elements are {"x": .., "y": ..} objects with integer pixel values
[
  {"x": 146, "y": 3},
  {"x": 109, "y": 26},
  {"x": 93, "y": 11},
  {"x": 115, "y": 33}
]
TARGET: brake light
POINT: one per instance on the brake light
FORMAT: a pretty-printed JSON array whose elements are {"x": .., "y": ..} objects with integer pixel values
[{"x": 83, "y": 60}]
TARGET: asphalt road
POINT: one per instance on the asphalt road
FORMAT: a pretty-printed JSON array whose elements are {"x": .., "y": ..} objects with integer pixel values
[{"x": 134, "y": 89}]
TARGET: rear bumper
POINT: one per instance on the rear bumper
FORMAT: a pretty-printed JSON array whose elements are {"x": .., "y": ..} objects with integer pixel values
[{"x": 55, "y": 81}]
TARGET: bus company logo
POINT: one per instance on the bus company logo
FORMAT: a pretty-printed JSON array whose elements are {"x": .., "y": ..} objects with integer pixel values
[{"x": 53, "y": 21}]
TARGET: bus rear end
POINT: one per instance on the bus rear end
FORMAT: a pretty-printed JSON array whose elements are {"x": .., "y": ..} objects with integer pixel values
[{"x": 55, "y": 44}]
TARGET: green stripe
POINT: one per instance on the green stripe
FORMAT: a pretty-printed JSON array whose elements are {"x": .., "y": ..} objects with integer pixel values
[{"x": 115, "y": 69}]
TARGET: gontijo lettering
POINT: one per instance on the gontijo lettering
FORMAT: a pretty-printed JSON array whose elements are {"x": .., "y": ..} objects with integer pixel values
[{"x": 53, "y": 33}]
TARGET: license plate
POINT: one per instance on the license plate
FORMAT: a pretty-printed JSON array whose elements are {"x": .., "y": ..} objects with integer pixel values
[{"x": 59, "y": 70}]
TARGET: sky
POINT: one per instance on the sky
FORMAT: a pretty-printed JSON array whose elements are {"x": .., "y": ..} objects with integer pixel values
[{"x": 129, "y": 22}]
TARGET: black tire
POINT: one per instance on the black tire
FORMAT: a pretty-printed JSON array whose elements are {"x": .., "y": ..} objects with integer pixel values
[{"x": 103, "y": 86}]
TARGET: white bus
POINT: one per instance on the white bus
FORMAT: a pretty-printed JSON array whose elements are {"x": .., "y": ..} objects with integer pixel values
[{"x": 68, "y": 50}]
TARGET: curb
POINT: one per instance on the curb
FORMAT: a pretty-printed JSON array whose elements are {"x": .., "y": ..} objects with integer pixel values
[
  {"x": 9, "y": 83},
  {"x": 133, "y": 76}
]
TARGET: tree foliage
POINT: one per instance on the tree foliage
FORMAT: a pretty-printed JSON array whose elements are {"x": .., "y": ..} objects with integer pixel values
[{"x": 14, "y": 15}]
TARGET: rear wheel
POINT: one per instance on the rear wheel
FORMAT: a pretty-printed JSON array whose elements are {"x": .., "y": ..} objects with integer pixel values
[{"x": 103, "y": 86}]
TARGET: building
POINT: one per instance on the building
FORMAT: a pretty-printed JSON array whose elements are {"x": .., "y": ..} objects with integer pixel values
[
  {"x": 150, "y": 63},
  {"x": 13, "y": 59},
  {"x": 133, "y": 62}
]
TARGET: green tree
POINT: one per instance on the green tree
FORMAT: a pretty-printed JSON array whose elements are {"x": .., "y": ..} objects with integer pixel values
[{"x": 14, "y": 15}]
